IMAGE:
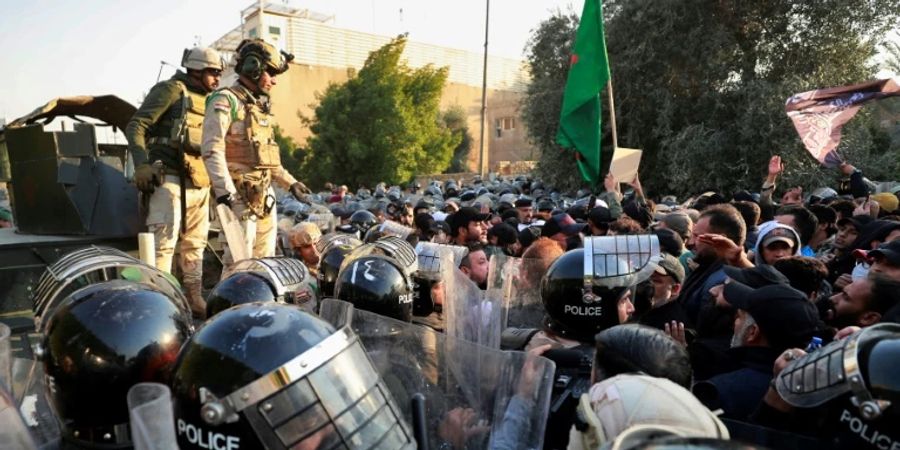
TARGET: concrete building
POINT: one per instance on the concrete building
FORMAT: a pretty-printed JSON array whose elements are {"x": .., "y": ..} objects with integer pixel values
[{"x": 323, "y": 54}]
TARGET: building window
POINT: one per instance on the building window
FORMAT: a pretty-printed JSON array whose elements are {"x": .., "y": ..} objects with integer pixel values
[
  {"x": 251, "y": 33},
  {"x": 275, "y": 31},
  {"x": 504, "y": 123}
]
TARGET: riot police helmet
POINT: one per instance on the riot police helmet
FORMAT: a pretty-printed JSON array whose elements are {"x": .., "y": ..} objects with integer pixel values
[
  {"x": 363, "y": 220},
  {"x": 333, "y": 248},
  {"x": 238, "y": 289},
  {"x": 377, "y": 277},
  {"x": 99, "y": 342},
  {"x": 282, "y": 378},
  {"x": 587, "y": 290}
]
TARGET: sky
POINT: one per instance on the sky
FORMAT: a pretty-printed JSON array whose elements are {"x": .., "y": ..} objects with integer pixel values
[{"x": 91, "y": 47}]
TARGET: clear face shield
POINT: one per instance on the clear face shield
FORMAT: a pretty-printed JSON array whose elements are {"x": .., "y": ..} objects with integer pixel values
[
  {"x": 434, "y": 262},
  {"x": 92, "y": 265},
  {"x": 291, "y": 279},
  {"x": 456, "y": 378},
  {"x": 326, "y": 221},
  {"x": 469, "y": 314},
  {"x": 330, "y": 396},
  {"x": 517, "y": 283},
  {"x": 618, "y": 261},
  {"x": 833, "y": 371}
]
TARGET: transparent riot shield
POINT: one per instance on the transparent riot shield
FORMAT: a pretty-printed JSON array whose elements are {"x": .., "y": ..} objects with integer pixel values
[
  {"x": 469, "y": 314},
  {"x": 612, "y": 261},
  {"x": 391, "y": 228},
  {"x": 152, "y": 421},
  {"x": 291, "y": 279},
  {"x": 33, "y": 405},
  {"x": 324, "y": 220},
  {"x": 517, "y": 283},
  {"x": 13, "y": 432},
  {"x": 476, "y": 397}
]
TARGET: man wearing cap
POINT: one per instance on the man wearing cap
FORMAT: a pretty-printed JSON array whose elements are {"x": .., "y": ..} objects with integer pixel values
[
  {"x": 886, "y": 260},
  {"x": 303, "y": 237},
  {"x": 564, "y": 229},
  {"x": 467, "y": 226},
  {"x": 598, "y": 220},
  {"x": 523, "y": 205},
  {"x": 666, "y": 283},
  {"x": 544, "y": 210},
  {"x": 775, "y": 241},
  {"x": 838, "y": 259},
  {"x": 769, "y": 320},
  {"x": 502, "y": 239}
]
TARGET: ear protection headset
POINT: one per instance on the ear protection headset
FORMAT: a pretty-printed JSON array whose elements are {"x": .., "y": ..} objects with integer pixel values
[{"x": 253, "y": 64}]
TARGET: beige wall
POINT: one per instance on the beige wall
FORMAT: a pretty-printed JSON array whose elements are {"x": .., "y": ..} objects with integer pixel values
[{"x": 297, "y": 89}]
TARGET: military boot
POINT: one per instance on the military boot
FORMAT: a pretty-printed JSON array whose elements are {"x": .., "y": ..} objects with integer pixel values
[{"x": 194, "y": 294}]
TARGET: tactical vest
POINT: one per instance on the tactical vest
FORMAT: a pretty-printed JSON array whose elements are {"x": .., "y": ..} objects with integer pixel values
[
  {"x": 181, "y": 127},
  {"x": 259, "y": 147}
]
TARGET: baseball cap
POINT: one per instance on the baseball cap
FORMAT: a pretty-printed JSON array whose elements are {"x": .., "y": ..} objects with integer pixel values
[
  {"x": 780, "y": 234},
  {"x": 523, "y": 201},
  {"x": 757, "y": 276},
  {"x": 600, "y": 215},
  {"x": 887, "y": 201},
  {"x": 857, "y": 221},
  {"x": 889, "y": 251},
  {"x": 784, "y": 315},
  {"x": 630, "y": 400},
  {"x": 669, "y": 241},
  {"x": 305, "y": 233},
  {"x": 669, "y": 265},
  {"x": 561, "y": 223},
  {"x": 464, "y": 217},
  {"x": 505, "y": 233},
  {"x": 678, "y": 222}
]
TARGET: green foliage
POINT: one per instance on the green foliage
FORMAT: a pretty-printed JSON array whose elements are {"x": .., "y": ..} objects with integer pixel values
[
  {"x": 383, "y": 124},
  {"x": 700, "y": 86},
  {"x": 290, "y": 154},
  {"x": 455, "y": 120}
]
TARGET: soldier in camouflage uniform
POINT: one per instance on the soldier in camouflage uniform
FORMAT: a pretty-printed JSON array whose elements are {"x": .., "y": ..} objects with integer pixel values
[
  {"x": 239, "y": 146},
  {"x": 164, "y": 141}
]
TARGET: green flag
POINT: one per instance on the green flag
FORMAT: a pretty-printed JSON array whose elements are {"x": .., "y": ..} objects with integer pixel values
[{"x": 579, "y": 121}]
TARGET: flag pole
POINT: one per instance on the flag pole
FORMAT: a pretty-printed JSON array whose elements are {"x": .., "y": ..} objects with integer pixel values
[{"x": 612, "y": 114}]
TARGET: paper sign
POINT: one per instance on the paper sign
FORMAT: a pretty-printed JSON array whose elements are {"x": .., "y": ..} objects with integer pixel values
[{"x": 625, "y": 163}]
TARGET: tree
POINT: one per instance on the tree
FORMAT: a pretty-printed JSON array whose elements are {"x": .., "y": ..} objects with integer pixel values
[
  {"x": 455, "y": 120},
  {"x": 701, "y": 87},
  {"x": 383, "y": 124}
]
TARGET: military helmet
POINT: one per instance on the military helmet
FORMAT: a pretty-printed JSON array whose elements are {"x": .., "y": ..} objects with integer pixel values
[
  {"x": 256, "y": 55},
  {"x": 99, "y": 342},
  {"x": 270, "y": 375},
  {"x": 200, "y": 58},
  {"x": 582, "y": 288},
  {"x": 363, "y": 220}
]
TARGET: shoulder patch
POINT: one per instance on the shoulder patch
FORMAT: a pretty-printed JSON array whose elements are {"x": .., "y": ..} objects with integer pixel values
[{"x": 223, "y": 100}]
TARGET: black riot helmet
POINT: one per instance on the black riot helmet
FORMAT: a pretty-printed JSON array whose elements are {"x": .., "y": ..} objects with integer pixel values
[
  {"x": 434, "y": 263},
  {"x": 582, "y": 289},
  {"x": 333, "y": 248},
  {"x": 238, "y": 289},
  {"x": 863, "y": 365},
  {"x": 362, "y": 220},
  {"x": 377, "y": 277},
  {"x": 271, "y": 279},
  {"x": 272, "y": 376},
  {"x": 99, "y": 342}
]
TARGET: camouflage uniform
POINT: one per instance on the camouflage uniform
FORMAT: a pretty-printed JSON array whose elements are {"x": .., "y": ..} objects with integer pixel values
[
  {"x": 243, "y": 159},
  {"x": 168, "y": 124}
]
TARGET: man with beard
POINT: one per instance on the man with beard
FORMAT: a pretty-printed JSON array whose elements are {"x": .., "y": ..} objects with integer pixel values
[
  {"x": 769, "y": 320},
  {"x": 475, "y": 265},
  {"x": 467, "y": 226},
  {"x": 726, "y": 222},
  {"x": 863, "y": 302}
]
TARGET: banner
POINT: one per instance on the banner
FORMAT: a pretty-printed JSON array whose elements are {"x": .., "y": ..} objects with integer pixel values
[{"x": 819, "y": 115}]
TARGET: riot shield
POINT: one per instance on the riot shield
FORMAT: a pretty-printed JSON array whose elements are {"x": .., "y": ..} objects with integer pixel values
[
  {"x": 291, "y": 279},
  {"x": 152, "y": 422},
  {"x": 497, "y": 399},
  {"x": 388, "y": 228},
  {"x": 611, "y": 261},
  {"x": 435, "y": 261},
  {"x": 324, "y": 220},
  {"x": 13, "y": 432},
  {"x": 469, "y": 314},
  {"x": 28, "y": 381},
  {"x": 517, "y": 283}
]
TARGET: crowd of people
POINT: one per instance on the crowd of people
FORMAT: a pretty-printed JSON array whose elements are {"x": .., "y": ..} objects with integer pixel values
[{"x": 770, "y": 321}]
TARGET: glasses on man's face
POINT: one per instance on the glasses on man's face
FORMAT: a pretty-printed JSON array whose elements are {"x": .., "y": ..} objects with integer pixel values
[
  {"x": 214, "y": 72},
  {"x": 272, "y": 72}
]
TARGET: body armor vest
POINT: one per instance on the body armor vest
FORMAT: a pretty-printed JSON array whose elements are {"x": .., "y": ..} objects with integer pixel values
[
  {"x": 181, "y": 127},
  {"x": 251, "y": 138}
]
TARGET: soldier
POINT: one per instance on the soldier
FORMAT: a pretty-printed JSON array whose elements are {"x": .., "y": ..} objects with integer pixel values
[
  {"x": 239, "y": 146},
  {"x": 164, "y": 141}
]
